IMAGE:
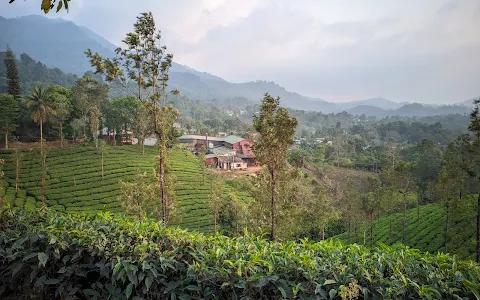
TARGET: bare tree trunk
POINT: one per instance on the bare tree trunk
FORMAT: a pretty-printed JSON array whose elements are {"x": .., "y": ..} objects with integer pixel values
[
  {"x": 273, "y": 186},
  {"x": 404, "y": 217},
  {"x": 44, "y": 170},
  {"x": 446, "y": 226},
  {"x": 61, "y": 134},
  {"x": 390, "y": 230},
  {"x": 323, "y": 233},
  {"x": 162, "y": 182},
  {"x": 364, "y": 233},
  {"x": 17, "y": 169},
  {"x": 478, "y": 228},
  {"x": 6, "y": 138},
  {"x": 102, "y": 165},
  {"x": 371, "y": 230},
  {"x": 41, "y": 133}
]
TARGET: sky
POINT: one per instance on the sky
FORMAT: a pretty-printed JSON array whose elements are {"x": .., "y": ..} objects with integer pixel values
[{"x": 424, "y": 51}]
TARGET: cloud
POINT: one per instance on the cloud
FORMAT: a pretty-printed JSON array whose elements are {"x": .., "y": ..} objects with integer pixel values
[{"x": 407, "y": 50}]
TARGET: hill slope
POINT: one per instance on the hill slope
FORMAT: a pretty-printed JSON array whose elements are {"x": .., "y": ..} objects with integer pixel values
[
  {"x": 32, "y": 73},
  {"x": 426, "y": 231},
  {"x": 88, "y": 192}
]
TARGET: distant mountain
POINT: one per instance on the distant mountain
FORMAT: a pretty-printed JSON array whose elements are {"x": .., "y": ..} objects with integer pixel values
[
  {"x": 375, "y": 102},
  {"x": 55, "y": 42},
  {"x": 32, "y": 73},
  {"x": 468, "y": 103},
  {"x": 61, "y": 44}
]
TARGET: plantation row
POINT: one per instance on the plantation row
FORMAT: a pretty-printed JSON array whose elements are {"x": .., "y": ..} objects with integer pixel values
[
  {"x": 74, "y": 256},
  {"x": 74, "y": 181},
  {"x": 426, "y": 229}
]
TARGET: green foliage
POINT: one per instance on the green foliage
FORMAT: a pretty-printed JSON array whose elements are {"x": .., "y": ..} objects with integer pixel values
[
  {"x": 427, "y": 232},
  {"x": 98, "y": 257},
  {"x": 74, "y": 180},
  {"x": 32, "y": 72},
  {"x": 8, "y": 115},
  {"x": 13, "y": 82}
]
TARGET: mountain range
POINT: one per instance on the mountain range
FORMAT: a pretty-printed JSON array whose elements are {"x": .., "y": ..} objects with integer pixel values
[{"x": 60, "y": 44}]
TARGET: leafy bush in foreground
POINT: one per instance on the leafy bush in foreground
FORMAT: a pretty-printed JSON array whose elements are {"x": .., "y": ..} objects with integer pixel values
[{"x": 53, "y": 255}]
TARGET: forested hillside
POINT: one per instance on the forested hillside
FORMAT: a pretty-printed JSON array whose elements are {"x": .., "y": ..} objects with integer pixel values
[{"x": 33, "y": 73}]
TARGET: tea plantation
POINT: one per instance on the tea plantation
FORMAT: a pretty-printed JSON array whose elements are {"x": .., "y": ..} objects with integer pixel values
[
  {"x": 73, "y": 256},
  {"x": 425, "y": 230},
  {"x": 74, "y": 181}
]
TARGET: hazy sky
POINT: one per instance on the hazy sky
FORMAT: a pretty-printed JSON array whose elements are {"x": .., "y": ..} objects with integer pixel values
[{"x": 409, "y": 50}]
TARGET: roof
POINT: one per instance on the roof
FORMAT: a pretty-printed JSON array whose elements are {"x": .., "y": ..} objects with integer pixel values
[
  {"x": 233, "y": 139},
  {"x": 200, "y": 137},
  {"x": 229, "y": 159},
  {"x": 222, "y": 150},
  {"x": 247, "y": 148}
]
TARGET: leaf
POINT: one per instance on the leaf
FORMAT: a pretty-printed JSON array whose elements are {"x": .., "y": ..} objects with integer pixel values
[
  {"x": 42, "y": 259},
  {"x": 90, "y": 292},
  {"x": 59, "y": 7},
  {"x": 282, "y": 290},
  {"x": 17, "y": 268},
  {"x": 46, "y": 5},
  {"x": 332, "y": 293},
  {"x": 117, "y": 268},
  {"x": 128, "y": 291},
  {"x": 329, "y": 281},
  {"x": 148, "y": 282},
  {"x": 40, "y": 281},
  {"x": 52, "y": 281}
]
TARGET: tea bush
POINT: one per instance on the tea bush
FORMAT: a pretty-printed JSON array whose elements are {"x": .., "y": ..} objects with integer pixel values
[
  {"x": 425, "y": 230},
  {"x": 49, "y": 255}
]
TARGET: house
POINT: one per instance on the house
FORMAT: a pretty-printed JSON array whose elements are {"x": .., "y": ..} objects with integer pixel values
[
  {"x": 227, "y": 153},
  {"x": 231, "y": 163}
]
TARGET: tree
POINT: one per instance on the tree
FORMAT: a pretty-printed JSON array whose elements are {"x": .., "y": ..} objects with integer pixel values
[
  {"x": 48, "y": 5},
  {"x": 17, "y": 158},
  {"x": 94, "y": 116},
  {"x": 143, "y": 124},
  {"x": 8, "y": 115},
  {"x": 63, "y": 106},
  {"x": 13, "y": 81},
  {"x": 276, "y": 129},
  {"x": 474, "y": 127},
  {"x": 41, "y": 108},
  {"x": 139, "y": 196},
  {"x": 201, "y": 157},
  {"x": 215, "y": 198},
  {"x": 144, "y": 64},
  {"x": 88, "y": 95},
  {"x": 401, "y": 179}
]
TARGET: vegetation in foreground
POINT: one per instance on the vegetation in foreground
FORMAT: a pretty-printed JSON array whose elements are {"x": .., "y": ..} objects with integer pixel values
[{"x": 52, "y": 255}]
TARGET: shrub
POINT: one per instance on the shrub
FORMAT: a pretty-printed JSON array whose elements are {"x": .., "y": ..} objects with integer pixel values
[{"x": 101, "y": 256}]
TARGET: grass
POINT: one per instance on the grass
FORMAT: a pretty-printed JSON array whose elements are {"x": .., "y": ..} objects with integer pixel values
[
  {"x": 426, "y": 228},
  {"x": 74, "y": 181}
]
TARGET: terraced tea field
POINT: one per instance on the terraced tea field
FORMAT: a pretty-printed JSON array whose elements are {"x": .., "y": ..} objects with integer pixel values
[
  {"x": 74, "y": 181},
  {"x": 426, "y": 231}
]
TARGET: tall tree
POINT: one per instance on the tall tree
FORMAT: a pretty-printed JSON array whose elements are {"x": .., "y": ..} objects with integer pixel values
[
  {"x": 8, "y": 115},
  {"x": 41, "y": 108},
  {"x": 88, "y": 95},
  {"x": 401, "y": 178},
  {"x": 144, "y": 65},
  {"x": 143, "y": 124},
  {"x": 474, "y": 127},
  {"x": 276, "y": 129},
  {"x": 13, "y": 81},
  {"x": 63, "y": 107}
]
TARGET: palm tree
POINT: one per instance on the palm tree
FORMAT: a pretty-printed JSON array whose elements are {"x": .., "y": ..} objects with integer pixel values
[{"x": 41, "y": 107}]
